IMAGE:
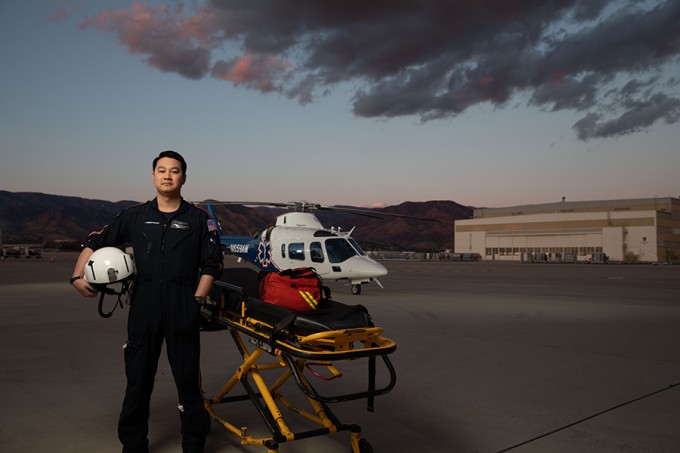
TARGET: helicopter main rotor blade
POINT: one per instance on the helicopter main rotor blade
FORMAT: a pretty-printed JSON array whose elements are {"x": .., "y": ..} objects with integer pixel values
[
  {"x": 303, "y": 206},
  {"x": 356, "y": 211},
  {"x": 307, "y": 206},
  {"x": 372, "y": 213},
  {"x": 246, "y": 203}
]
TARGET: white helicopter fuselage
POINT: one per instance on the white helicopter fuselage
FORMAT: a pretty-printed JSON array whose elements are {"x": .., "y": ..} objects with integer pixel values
[
  {"x": 333, "y": 256},
  {"x": 299, "y": 240}
]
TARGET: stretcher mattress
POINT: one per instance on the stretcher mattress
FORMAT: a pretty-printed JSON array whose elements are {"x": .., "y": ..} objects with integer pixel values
[{"x": 331, "y": 315}]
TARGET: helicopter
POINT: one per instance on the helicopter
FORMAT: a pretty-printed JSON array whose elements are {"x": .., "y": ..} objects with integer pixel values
[{"x": 298, "y": 239}]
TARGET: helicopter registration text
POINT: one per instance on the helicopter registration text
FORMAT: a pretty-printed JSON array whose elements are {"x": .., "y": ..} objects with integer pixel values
[{"x": 238, "y": 248}]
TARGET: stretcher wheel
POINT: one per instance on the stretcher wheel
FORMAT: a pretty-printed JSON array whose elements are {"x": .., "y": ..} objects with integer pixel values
[{"x": 364, "y": 446}]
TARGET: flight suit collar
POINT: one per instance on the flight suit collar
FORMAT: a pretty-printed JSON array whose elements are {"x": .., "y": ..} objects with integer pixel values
[{"x": 183, "y": 206}]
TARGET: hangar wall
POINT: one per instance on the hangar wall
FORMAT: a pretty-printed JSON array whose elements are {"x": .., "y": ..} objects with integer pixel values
[{"x": 645, "y": 230}]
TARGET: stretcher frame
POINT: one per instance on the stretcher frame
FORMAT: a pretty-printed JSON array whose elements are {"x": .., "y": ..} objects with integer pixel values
[{"x": 292, "y": 348}]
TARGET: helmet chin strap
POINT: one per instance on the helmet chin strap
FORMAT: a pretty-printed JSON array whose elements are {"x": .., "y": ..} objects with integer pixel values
[{"x": 125, "y": 289}]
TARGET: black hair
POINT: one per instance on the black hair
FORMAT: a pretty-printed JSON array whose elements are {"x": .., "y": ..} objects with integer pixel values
[{"x": 173, "y": 155}]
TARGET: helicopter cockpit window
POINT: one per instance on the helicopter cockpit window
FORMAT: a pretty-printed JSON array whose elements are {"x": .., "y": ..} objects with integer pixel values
[
  {"x": 356, "y": 246},
  {"x": 339, "y": 250},
  {"x": 316, "y": 252},
  {"x": 296, "y": 251}
]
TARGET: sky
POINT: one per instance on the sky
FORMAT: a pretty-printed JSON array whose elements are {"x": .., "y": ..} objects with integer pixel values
[{"x": 488, "y": 103}]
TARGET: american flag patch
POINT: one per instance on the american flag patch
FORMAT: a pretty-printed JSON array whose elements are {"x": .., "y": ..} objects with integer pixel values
[{"x": 212, "y": 226}]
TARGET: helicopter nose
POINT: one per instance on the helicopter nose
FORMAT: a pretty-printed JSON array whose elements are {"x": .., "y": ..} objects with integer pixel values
[{"x": 367, "y": 267}]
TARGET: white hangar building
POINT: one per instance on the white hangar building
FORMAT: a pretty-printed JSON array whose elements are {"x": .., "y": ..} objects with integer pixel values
[{"x": 642, "y": 230}]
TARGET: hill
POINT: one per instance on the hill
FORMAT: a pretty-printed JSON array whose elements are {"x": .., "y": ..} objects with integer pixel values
[{"x": 30, "y": 217}]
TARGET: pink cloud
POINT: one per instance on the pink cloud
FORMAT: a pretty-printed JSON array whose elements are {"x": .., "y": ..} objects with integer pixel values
[
  {"x": 63, "y": 9},
  {"x": 255, "y": 71},
  {"x": 172, "y": 41},
  {"x": 59, "y": 16}
]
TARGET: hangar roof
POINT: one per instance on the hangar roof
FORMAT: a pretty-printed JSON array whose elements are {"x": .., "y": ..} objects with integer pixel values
[{"x": 636, "y": 204}]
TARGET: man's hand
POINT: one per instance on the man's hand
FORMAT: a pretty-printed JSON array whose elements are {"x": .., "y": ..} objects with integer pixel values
[{"x": 84, "y": 288}]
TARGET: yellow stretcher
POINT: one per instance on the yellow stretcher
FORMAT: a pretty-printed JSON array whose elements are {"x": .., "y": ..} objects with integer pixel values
[{"x": 274, "y": 340}]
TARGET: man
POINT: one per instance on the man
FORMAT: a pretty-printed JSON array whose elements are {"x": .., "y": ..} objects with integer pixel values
[{"x": 178, "y": 257}]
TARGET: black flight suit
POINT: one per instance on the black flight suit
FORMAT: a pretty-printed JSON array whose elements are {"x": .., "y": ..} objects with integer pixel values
[{"x": 171, "y": 252}]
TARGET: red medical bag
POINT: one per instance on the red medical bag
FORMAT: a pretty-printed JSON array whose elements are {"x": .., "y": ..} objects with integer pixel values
[{"x": 296, "y": 289}]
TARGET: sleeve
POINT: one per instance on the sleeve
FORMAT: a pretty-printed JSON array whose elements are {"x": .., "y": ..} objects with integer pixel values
[
  {"x": 112, "y": 235},
  {"x": 211, "y": 249}
]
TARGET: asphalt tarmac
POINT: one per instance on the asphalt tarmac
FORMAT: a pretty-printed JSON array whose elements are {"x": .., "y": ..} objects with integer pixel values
[{"x": 491, "y": 357}]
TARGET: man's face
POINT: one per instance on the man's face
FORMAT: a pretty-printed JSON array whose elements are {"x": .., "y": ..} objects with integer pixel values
[{"x": 168, "y": 176}]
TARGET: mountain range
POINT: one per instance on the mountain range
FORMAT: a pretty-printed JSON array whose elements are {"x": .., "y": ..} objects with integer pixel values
[{"x": 31, "y": 217}]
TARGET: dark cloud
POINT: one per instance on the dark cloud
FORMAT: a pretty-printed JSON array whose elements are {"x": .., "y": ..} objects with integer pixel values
[
  {"x": 637, "y": 116},
  {"x": 429, "y": 58}
]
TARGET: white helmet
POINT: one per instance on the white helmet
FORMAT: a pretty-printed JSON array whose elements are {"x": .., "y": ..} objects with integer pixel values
[{"x": 109, "y": 265}]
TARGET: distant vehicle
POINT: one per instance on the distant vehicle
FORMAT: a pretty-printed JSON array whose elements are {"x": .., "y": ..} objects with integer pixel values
[
  {"x": 466, "y": 257},
  {"x": 471, "y": 257},
  {"x": 19, "y": 252}
]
